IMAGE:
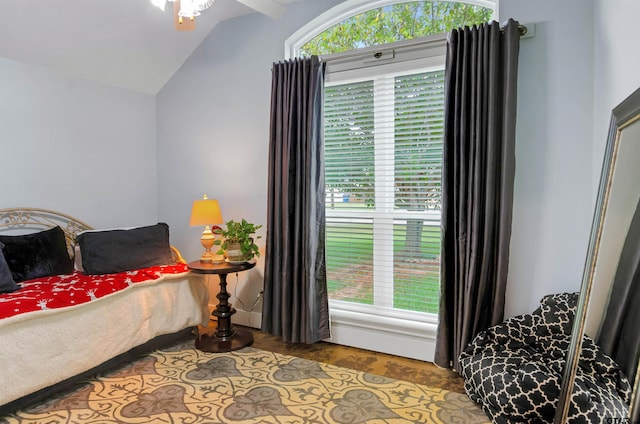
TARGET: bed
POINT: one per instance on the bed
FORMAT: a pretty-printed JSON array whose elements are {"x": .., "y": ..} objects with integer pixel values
[{"x": 51, "y": 338}]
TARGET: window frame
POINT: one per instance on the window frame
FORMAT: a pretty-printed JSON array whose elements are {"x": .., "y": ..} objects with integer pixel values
[
  {"x": 381, "y": 289},
  {"x": 348, "y": 9}
]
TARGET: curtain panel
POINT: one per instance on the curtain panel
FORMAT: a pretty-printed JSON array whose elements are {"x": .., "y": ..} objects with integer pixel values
[
  {"x": 477, "y": 183},
  {"x": 295, "y": 287}
]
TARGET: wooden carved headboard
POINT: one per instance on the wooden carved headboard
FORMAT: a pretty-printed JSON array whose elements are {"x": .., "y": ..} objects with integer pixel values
[{"x": 28, "y": 220}]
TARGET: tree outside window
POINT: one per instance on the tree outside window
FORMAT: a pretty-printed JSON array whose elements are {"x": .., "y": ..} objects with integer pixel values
[{"x": 402, "y": 21}]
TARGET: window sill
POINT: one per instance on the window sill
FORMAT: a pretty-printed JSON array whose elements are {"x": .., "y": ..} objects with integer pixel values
[{"x": 386, "y": 331}]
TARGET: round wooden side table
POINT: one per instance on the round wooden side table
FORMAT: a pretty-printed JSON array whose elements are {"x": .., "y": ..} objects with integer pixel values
[{"x": 226, "y": 338}]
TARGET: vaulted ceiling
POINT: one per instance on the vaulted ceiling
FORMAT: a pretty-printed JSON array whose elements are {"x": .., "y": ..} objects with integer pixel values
[{"x": 124, "y": 43}]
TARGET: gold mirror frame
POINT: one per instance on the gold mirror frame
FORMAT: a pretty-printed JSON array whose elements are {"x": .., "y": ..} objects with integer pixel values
[{"x": 625, "y": 114}]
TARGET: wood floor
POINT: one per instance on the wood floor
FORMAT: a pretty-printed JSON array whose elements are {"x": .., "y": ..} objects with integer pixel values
[{"x": 412, "y": 370}]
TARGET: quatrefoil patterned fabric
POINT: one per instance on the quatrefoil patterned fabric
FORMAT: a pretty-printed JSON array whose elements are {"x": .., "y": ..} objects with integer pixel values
[{"x": 514, "y": 369}]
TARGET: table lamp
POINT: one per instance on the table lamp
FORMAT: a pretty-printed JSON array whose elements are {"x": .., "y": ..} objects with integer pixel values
[{"x": 206, "y": 212}]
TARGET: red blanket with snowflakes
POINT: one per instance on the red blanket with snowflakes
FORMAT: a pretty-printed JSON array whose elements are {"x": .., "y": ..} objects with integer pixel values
[{"x": 60, "y": 291}]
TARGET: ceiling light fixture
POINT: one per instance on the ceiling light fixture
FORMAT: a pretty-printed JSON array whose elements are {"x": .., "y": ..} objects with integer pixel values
[{"x": 187, "y": 8}]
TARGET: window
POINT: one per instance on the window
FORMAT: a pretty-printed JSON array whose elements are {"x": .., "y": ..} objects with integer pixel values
[
  {"x": 383, "y": 148},
  {"x": 384, "y": 116}
]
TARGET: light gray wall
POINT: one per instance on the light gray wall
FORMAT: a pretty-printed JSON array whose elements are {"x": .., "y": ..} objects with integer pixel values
[
  {"x": 617, "y": 65},
  {"x": 213, "y": 136},
  {"x": 77, "y": 147},
  {"x": 552, "y": 199},
  {"x": 213, "y": 122}
]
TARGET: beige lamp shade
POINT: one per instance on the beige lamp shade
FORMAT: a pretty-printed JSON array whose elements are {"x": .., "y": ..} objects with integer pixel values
[{"x": 206, "y": 212}]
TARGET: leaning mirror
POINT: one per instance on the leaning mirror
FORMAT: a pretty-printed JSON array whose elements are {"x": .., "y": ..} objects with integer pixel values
[{"x": 608, "y": 309}]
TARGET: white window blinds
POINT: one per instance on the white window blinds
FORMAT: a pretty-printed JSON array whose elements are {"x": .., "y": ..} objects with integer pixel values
[{"x": 383, "y": 156}]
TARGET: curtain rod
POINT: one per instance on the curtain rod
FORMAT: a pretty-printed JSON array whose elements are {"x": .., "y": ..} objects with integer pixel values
[
  {"x": 430, "y": 40},
  {"x": 522, "y": 29}
]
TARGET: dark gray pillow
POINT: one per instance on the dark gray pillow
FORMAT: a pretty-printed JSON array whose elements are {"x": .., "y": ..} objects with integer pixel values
[
  {"x": 113, "y": 251},
  {"x": 37, "y": 255},
  {"x": 7, "y": 284}
]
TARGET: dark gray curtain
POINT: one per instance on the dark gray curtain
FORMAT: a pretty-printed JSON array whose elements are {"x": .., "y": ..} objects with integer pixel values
[
  {"x": 477, "y": 183},
  {"x": 295, "y": 286},
  {"x": 618, "y": 335}
]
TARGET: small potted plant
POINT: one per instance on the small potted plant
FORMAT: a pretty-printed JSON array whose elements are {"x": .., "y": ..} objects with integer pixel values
[{"x": 239, "y": 241}]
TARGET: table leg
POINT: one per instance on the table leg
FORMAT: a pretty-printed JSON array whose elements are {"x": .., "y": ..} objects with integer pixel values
[
  {"x": 223, "y": 310},
  {"x": 226, "y": 338}
]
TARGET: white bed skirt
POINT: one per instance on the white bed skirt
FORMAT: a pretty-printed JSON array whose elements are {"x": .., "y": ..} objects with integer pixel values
[{"x": 43, "y": 348}]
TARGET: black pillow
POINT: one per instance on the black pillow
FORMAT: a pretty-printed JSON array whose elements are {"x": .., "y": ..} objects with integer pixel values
[
  {"x": 37, "y": 254},
  {"x": 7, "y": 284},
  {"x": 112, "y": 251}
]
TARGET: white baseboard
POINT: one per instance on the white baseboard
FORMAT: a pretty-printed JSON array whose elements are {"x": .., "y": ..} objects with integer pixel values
[
  {"x": 386, "y": 334},
  {"x": 391, "y": 335},
  {"x": 247, "y": 319},
  {"x": 244, "y": 318}
]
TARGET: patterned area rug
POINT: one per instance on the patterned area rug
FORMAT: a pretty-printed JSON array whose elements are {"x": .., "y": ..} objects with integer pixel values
[
  {"x": 180, "y": 384},
  {"x": 399, "y": 368}
]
